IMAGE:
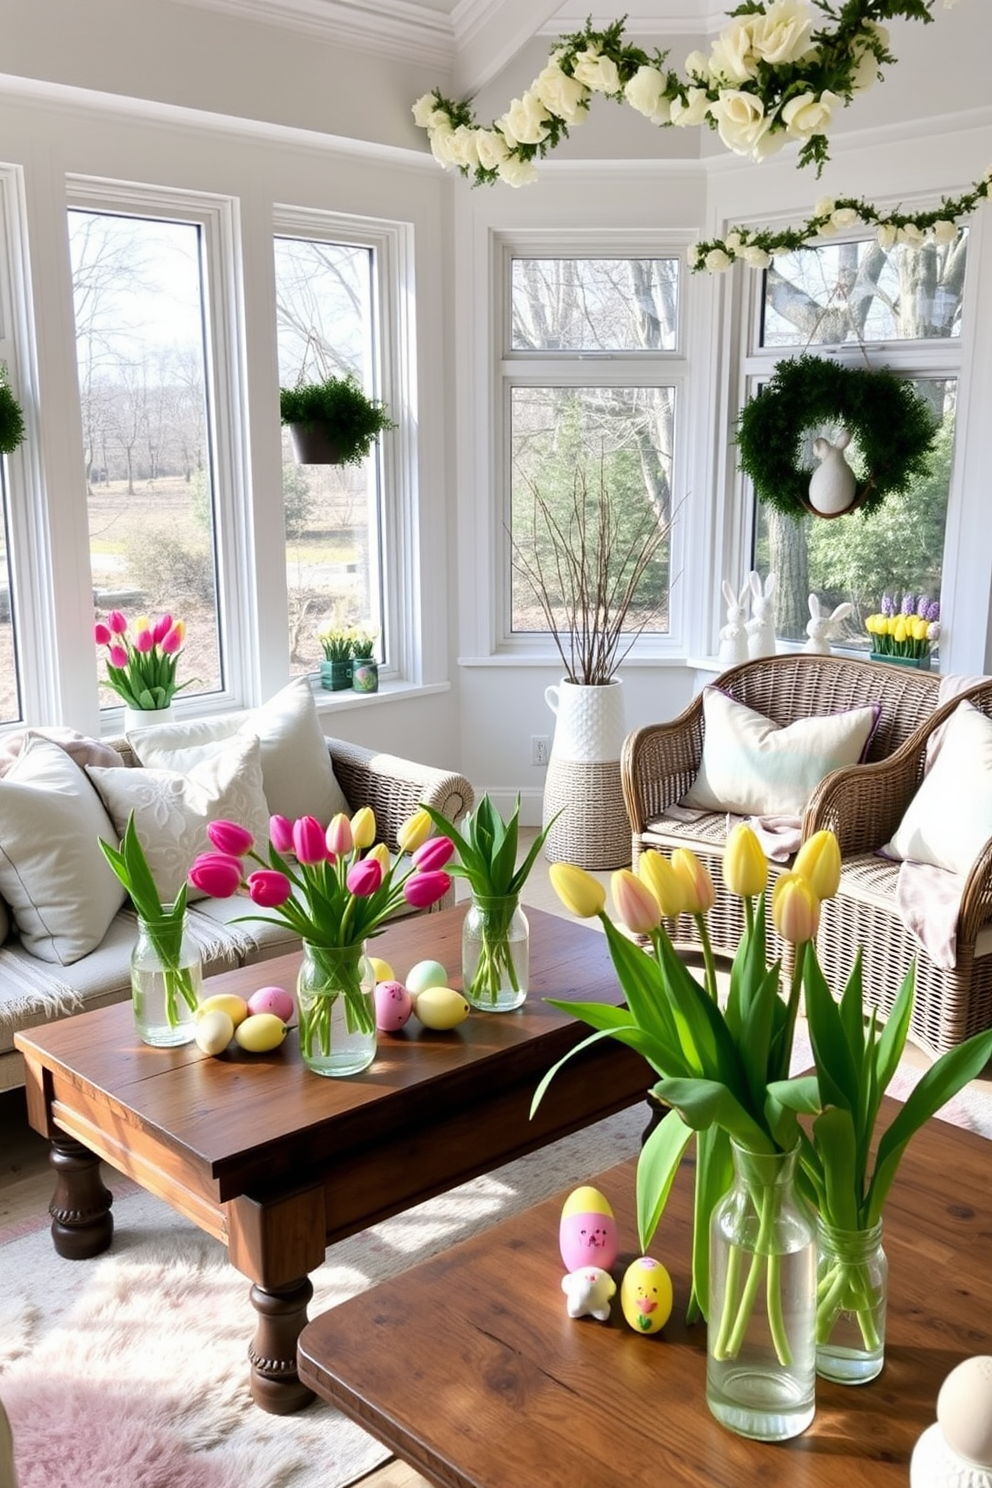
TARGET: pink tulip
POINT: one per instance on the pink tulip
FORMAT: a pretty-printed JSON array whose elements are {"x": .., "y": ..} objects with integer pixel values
[
  {"x": 281, "y": 834},
  {"x": 101, "y": 633},
  {"x": 117, "y": 622},
  {"x": 161, "y": 628},
  {"x": 636, "y": 904},
  {"x": 339, "y": 837},
  {"x": 269, "y": 889},
  {"x": 118, "y": 656},
  {"x": 144, "y": 641},
  {"x": 171, "y": 642},
  {"x": 228, "y": 837},
  {"x": 433, "y": 853},
  {"x": 217, "y": 874},
  {"x": 364, "y": 877},
  {"x": 424, "y": 889},
  {"x": 309, "y": 842}
]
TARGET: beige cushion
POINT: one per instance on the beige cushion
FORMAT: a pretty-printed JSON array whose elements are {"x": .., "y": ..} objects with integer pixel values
[
  {"x": 755, "y": 767},
  {"x": 172, "y": 811},
  {"x": 949, "y": 820},
  {"x": 297, "y": 774},
  {"x": 61, "y": 891}
]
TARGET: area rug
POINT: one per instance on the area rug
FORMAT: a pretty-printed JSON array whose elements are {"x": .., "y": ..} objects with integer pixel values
[{"x": 130, "y": 1371}]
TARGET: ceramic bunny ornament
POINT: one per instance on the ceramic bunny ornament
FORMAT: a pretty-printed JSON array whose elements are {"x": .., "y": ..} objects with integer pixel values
[
  {"x": 821, "y": 627},
  {"x": 833, "y": 484},
  {"x": 761, "y": 626},
  {"x": 733, "y": 635}
]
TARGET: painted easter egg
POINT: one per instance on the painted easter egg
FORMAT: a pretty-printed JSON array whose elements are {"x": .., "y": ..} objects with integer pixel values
[
  {"x": 646, "y": 1295},
  {"x": 423, "y": 975},
  {"x": 381, "y": 970},
  {"x": 587, "y": 1234},
  {"x": 441, "y": 1008},
  {"x": 273, "y": 1000},
  {"x": 964, "y": 1410},
  {"x": 393, "y": 1006}
]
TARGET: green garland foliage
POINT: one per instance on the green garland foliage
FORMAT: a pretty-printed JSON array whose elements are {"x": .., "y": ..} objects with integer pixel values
[
  {"x": 894, "y": 427},
  {"x": 352, "y": 419},
  {"x": 11, "y": 419}
]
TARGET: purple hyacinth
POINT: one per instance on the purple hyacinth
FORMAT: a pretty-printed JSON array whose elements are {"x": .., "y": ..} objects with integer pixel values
[
  {"x": 922, "y": 606},
  {"x": 933, "y": 611},
  {"x": 888, "y": 606},
  {"x": 908, "y": 604}
]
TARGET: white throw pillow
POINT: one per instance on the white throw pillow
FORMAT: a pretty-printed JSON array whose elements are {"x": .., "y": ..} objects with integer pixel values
[
  {"x": 754, "y": 767},
  {"x": 172, "y": 811},
  {"x": 62, "y": 892},
  {"x": 297, "y": 775},
  {"x": 949, "y": 820}
]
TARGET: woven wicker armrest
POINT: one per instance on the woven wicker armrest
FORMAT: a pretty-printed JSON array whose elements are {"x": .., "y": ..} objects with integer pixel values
[
  {"x": 863, "y": 804},
  {"x": 395, "y": 787},
  {"x": 658, "y": 764},
  {"x": 976, "y": 901}
]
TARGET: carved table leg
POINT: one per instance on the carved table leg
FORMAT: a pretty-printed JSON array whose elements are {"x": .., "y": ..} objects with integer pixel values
[
  {"x": 282, "y": 1315},
  {"x": 82, "y": 1224}
]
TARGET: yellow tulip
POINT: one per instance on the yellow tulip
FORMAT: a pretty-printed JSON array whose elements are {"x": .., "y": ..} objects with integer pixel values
[
  {"x": 581, "y": 894},
  {"x": 414, "y": 831},
  {"x": 654, "y": 869},
  {"x": 818, "y": 860},
  {"x": 142, "y": 623},
  {"x": 920, "y": 628},
  {"x": 696, "y": 882},
  {"x": 381, "y": 854},
  {"x": 899, "y": 632},
  {"x": 635, "y": 903},
  {"x": 180, "y": 629},
  {"x": 795, "y": 909},
  {"x": 363, "y": 827},
  {"x": 745, "y": 867}
]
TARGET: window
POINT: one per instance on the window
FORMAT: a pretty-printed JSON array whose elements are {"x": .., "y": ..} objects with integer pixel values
[
  {"x": 902, "y": 309},
  {"x": 10, "y": 688},
  {"x": 592, "y": 375},
  {"x": 327, "y": 325},
  {"x": 144, "y": 388}
]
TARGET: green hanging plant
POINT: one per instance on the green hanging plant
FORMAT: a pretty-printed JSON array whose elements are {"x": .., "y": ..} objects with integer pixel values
[
  {"x": 894, "y": 428},
  {"x": 11, "y": 417}
]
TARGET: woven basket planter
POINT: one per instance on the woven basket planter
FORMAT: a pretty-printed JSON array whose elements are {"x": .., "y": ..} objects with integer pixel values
[{"x": 583, "y": 780}]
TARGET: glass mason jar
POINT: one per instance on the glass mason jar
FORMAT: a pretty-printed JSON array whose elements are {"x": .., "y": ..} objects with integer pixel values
[
  {"x": 495, "y": 953},
  {"x": 852, "y": 1290},
  {"x": 761, "y": 1331},
  {"x": 334, "y": 997},
  {"x": 166, "y": 979}
]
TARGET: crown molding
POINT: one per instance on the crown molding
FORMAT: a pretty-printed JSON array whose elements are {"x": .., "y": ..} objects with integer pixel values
[{"x": 397, "y": 29}]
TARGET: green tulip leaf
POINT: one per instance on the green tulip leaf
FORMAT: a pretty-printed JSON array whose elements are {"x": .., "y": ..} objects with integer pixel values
[
  {"x": 657, "y": 1164},
  {"x": 701, "y": 1103},
  {"x": 835, "y": 1141}
]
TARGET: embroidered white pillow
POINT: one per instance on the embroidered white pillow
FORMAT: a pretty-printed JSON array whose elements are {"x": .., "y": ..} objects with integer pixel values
[
  {"x": 61, "y": 891},
  {"x": 949, "y": 820},
  {"x": 297, "y": 774},
  {"x": 172, "y": 810},
  {"x": 754, "y": 767}
]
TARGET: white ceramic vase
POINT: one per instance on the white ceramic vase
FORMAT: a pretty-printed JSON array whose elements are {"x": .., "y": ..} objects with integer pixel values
[
  {"x": 583, "y": 781},
  {"x": 137, "y": 718}
]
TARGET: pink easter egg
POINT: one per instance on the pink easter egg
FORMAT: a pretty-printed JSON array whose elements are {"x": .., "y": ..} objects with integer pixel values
[
  {"x": 587, "y": 1234},
  {"x": 393, "y": 1006},
  {"x": 273, "y": 1000}
]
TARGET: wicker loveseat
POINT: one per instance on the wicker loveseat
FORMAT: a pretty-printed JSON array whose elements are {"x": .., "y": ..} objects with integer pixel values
[
  {"x": 864, "y": 807},
  {"x": 661, "y": 761}
]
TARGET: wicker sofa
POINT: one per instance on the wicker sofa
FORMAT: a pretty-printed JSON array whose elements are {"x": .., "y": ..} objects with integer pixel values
[
  {"x": 661, "y": 761},
  {"x": 34, "y": 991}
]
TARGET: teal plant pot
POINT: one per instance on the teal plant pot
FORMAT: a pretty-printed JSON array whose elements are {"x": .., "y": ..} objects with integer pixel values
[
  {"x": 335, "y": 676},
  {"x": 365, "y": 674},
  {"x": 921, "y": 663}
]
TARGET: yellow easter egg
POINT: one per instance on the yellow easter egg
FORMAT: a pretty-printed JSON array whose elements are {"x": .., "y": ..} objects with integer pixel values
[
  {"x": 381, "y": 970},
  {"x": 646, "y": 1295},
  {"x": 586, "y": 1200},
  {"x": 441, "y": 1008},
  {"x": 225, "y": 1002},
  {"x": 260, "y": 1032},
  {"x": 214, "y": 1031}
]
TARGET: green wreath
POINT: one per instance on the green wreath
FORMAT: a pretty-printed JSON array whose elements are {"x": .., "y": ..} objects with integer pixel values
[{"x": 894, "y": 427}]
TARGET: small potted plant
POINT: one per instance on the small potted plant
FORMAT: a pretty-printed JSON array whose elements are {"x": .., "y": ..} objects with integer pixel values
[
  {"x": 364, "y": 666},
  {"x": 11, "y": 417},
  {"x": 905, "y": 636},
  {"x": 333, "y": 422},
  {"x": 335, "y": 669}
]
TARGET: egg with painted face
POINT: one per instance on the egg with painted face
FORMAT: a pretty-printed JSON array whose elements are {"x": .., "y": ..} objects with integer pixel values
[
  {"x": 587, "y": 1234},
  {"x": 393, "y": 1006},
  {"x": 646, "y": 1295}
]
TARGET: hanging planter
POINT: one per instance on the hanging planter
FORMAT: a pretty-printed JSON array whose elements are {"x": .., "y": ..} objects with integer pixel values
[
  {"x": 332, "y": 422},
  {"x": 892, "y": 424},
  {"x": 11, "y": 417}
]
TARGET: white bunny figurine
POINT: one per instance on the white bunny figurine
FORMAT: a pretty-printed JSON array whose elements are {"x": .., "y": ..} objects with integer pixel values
[
  {"x": 733, "y": 635},
  {"x": 833, "y": 483},
  {"x": 821, "y": 627},
  {"x": 761, "y": 627}
]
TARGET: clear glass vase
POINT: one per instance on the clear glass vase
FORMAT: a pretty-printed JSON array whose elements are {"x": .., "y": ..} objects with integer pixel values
[
  {"x": 495, "y": 954},
  {"x": 851, "y": 1295},
  {"x": 761, "y": 1329},
  {"x": 166, "y": 979},
  {"x": 334, "y": 997}
]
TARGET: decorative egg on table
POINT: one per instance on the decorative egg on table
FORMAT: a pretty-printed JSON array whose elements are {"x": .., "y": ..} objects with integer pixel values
[
  {"x": 646, "y": 1295},
  {"x": 588, "y": 1292},
  {"x": 393, "y": 1006},
  {"x": 425, "y": 974},
  {"x": 440, "y": 1008},
  {"x": 957, "y": 1451},
  {"x": 587, "y": 1234},
  {"x": 273, "y": 1000}
]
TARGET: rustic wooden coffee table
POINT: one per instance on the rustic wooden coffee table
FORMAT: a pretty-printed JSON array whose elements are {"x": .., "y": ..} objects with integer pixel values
[
  {"x": 469, "y": 1369},
  {"x": 278, "y": 1162}
]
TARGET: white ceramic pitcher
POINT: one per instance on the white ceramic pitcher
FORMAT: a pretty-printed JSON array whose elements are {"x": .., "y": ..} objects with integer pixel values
[{"x": 589, "y": 721}]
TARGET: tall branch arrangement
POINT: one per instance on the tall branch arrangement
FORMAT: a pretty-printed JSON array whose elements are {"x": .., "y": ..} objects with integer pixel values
[
  {"x": 777, "y": 73},
  {"x": 585, "y": 570}
]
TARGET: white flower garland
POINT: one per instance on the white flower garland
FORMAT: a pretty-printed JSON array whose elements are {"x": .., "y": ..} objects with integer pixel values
[{"x": 773, "y": 75}]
